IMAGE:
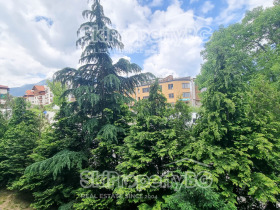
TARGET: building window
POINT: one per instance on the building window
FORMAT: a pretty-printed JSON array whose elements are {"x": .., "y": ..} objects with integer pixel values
[
  {"x": 170, "y": 87},
  {"x": 185, "y": 85},
  {"x": 186, "y": 95},
  {"x": 139, "y": 98},
  {"x": 138, "y": 90},
  {"x": 145, "y": 97},
  {"x": 146, "y": 90},
  {"x": 171, "y": 95}
]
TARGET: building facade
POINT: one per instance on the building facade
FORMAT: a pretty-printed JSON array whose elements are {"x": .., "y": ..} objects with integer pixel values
[
  {"x": 48, "y": 95},
  {"x": 39, "y": 95},
  {"x": 174, "y": 89},
  {"x": 3, "y": 94},
  {"x": 29, "y": 96}
]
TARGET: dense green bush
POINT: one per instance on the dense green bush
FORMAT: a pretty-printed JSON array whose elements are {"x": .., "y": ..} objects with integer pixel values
[{"x": 236, "y": 138}]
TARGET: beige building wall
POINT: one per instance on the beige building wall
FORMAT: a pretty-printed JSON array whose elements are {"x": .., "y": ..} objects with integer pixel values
[{"x": 180, "y": 86}]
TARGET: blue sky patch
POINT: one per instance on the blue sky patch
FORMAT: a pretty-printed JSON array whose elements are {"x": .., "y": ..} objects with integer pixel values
[{"x": 49, "y": 21}]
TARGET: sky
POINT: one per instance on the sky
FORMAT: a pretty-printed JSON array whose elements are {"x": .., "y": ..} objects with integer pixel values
[{"x": 164, "y": 37}]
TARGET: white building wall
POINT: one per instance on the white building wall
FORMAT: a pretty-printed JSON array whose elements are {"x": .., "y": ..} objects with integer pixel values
[
  {"x": 40, "y": 100},
  {"x": 31, "y": 100},
  {"x": 193, "y": 93},
  {"x": 3, "y": 91},
  {"x": 48, "y": 96}
]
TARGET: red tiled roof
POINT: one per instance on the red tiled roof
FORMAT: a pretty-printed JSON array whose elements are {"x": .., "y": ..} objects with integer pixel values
[
  {"x": 29, "y": 93},
  {"x": 39, "y": 88},
  {"x": 4, "y": 87}
]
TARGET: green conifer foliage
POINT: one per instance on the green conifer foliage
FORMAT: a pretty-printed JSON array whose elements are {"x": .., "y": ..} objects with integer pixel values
[
  {"x": 100, "y": 86},
  {"x": 89, "y": 130},
  {"x": 240, "y": 143},
  {"x": 18, "y": 142},
  {"x": 157, "y": 139},
  {"x": 3, "y": 125}
]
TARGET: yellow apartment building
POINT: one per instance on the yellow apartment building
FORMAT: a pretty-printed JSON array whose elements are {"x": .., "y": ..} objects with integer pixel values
[{"x": 174, "y": 89}]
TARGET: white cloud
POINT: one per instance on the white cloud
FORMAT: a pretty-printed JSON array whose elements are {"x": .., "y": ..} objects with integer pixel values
[
  {"x": 207, "y": 6},
  {"x": 250, "y": 4},
  {"x": 31, "y": 51},
  {"x": 130, "y": 19},
  {"x": 177, "y": 51},
  {"x": 171, "y": 40},
  {"x": 178, "y": 60},
  {"x": 232, "y": 12},
  {"x": 156, "y": 3},
  {"x": 116, "y": 58}
]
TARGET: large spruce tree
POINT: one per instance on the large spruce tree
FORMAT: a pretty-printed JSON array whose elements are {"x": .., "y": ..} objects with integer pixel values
[
  {"x": 89, "y": 130},
  {"x": 99, "y": 86}
]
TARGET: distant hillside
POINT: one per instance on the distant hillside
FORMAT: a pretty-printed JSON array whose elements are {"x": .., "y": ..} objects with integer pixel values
[{"x": 20, "y": 91}]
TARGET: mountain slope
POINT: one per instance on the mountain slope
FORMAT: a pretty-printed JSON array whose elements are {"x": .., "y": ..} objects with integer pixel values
[{"x": 20, "y": 91}]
